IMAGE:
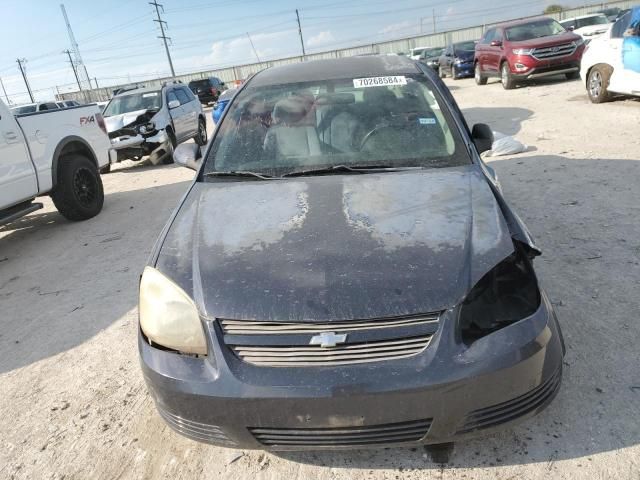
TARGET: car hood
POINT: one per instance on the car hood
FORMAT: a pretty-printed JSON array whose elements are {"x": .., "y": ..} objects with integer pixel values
[
  {"x": 464, "y": 55},
  {"x": 549, "y": 41},
  {"x": 592, "y": 30},
  {"x": 335, "y": 247},
  {"x": 116, "y": 122}
]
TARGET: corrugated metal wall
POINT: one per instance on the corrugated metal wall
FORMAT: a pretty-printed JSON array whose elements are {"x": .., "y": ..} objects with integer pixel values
[{"x": 402, "y": 45}]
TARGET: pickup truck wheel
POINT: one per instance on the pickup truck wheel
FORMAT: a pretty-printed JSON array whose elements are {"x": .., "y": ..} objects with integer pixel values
[
  {"x": 508, "y": 83},
  {"x": 78, "y": 195},
  {"x": 201, "y": 136},
  {"x": 480, "y": 79},
  {"x": 597, "y": 83},
  {"x": 171, "y": 146}
]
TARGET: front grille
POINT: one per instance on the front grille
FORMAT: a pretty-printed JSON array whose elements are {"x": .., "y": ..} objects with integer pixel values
[
  {"x": 556, "y": 51},
  {"x": 201, "y": 432},
  {"x": 278, "y": 344},
  {"x": 510, "y": 410},
  {"x": 349, "y": 437}
]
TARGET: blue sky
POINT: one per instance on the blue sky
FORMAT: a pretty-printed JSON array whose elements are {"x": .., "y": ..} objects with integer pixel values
[{"x": 118, "y": 41}]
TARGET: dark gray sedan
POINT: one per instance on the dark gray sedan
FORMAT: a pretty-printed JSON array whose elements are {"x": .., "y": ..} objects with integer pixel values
[{"x": 344, "y": 272}]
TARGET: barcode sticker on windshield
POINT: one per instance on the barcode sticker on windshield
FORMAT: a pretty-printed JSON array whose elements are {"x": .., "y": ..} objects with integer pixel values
[
  {"x": 379, "y": 81},
  {"x": 152, "y": 94}
]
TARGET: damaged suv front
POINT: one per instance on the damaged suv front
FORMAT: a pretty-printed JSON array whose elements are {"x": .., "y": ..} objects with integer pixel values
[{"x": 136, "y": 126}]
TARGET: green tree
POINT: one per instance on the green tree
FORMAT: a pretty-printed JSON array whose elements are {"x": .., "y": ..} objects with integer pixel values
[{"x": 553, "y": 9}]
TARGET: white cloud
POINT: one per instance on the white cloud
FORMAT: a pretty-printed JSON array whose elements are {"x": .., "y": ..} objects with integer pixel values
[
  {"x": 321, "y": 39},
  {"x": 396, "y": 29}
]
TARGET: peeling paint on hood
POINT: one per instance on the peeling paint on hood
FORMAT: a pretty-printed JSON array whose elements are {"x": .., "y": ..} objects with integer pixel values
[{"x": 336, "y": 247}]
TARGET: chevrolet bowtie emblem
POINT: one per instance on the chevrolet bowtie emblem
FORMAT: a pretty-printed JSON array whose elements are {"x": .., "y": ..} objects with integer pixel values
[{"x": 328, "y": 339}]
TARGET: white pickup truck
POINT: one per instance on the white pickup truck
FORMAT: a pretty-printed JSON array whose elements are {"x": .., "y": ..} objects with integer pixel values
[{"x": 58, "y": 153}]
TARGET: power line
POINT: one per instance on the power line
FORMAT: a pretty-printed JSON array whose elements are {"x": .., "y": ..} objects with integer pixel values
[
  {"x": 164, "y": 38},
  {"x": 254, "y": 48},
  {"x": 21, "y": 62}
]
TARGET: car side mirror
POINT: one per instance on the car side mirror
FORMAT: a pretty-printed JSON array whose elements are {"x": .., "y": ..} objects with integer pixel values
[
  {"x": 188, "y": 155},
  {"x": 173, "y": 104},
  {"x": 496, "y": 43},
  {"x": 482, "y": 137},
  {"x": 571, "y": 28}
]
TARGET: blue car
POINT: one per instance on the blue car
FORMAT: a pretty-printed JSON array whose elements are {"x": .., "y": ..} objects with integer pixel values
[
  {"x": 457, "y": 60},
  {"x": 222, "y": 103}
]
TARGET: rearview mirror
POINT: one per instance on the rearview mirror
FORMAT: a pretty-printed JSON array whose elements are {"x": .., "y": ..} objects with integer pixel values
[
  {"x": 188, "y": 155},
  {"x": 571, "y": 28},
  {"x": 482, "y": 137},
  {"x": 496, "y": 43},
  {"x": 173, "y": 104}
]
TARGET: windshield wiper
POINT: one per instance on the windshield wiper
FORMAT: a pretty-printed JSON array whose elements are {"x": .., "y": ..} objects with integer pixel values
[
  {"x": 347, "y": 169},
  {"x": 241, "y": 174}
]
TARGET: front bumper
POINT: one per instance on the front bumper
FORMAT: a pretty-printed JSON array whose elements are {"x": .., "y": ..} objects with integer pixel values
[
  {"x": 548, "y": 71},
  {"x": 462, "y": 70},
  {"x": 127, "y": 147},
  {"x": 446, "y": 393}
]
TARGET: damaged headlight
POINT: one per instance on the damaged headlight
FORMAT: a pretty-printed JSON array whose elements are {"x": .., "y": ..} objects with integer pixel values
[
  {"x": 168, "y": 316},
  {"x": 147, "y": 128},
  {"x": 505, "y": 295}
]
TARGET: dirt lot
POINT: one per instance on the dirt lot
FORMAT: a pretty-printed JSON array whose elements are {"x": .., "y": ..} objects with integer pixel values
[{"x": 73, "y": 403}]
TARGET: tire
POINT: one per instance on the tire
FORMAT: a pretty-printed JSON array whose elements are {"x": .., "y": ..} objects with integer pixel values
[
  {"x": 168, "y": 156},
  {"x": 572, "y": 75},
  {"x": 454, "y": 73},
  {"x": 480, "y": 79},
  {"x": 201, "y": 136},
  {"x": 597, "y": 83},
  {"x": 78, "y": 194},
  {"x": 508, "y": 83},
  {"x": 442, "y": 73}
]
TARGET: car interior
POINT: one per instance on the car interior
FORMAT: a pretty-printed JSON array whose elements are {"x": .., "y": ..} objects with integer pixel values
[{"x": 301, "y": 127}]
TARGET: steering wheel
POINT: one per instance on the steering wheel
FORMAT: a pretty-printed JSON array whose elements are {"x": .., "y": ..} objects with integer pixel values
[{"x": 377, "y": 129}]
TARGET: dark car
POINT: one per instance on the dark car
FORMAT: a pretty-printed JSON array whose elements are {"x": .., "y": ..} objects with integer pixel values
[
  {"x": 431, "y": 57},
  {"x": 527, "y": 49},
  {"x": 344, "y": 272},
  {"x": 457, "y": 60},
  {"x": 612, "y": 13},
  {"x": 208, "y": 89}
]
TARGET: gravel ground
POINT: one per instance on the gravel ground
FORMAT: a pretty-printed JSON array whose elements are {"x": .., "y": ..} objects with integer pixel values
[{"x": 74, "y": 404}]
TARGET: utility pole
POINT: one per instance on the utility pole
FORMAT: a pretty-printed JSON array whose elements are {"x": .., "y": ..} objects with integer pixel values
[
  {"x": 75, "y": 72},
  {"x": 95, "y": 79},
  {"x": 21, "y": 62},
  {"x": 300, "y": 32},
  {"x": 5, "y": 92},
  {"x": 434, "y": 20},
  {"x": 79, "y": 67},
  {"x": 162, "y": 24},
  {"x": 254, "y": 48}
]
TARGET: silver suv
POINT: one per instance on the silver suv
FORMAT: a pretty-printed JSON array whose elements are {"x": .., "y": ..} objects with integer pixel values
[{"x": 151, "y": 121}]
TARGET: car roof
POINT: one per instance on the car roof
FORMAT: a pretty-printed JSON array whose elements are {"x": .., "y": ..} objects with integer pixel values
[
  {"x": 134, "y": 91},
  {"x": 522, "y": 21},
  {"x": 599, "y": 14},
  {"x": 335, "y": 69}
]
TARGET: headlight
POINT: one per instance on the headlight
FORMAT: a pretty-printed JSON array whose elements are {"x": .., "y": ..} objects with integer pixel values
[
  {"x": 508, "y": 293},
  {"x": 458, "y": 61},
  {"x": 147, "y": 128},
  {"x": 522, "y": 51},
  {"x": 579, "y": 42},
  {"x": 168, "y": 316}
]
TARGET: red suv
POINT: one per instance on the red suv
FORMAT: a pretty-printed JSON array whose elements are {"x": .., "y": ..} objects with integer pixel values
[{"x": 527, "y": 49}]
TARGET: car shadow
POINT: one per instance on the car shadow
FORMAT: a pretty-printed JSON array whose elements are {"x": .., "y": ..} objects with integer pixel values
[
  {"x": 583, "y": 214},
  {"x": 63, "y": 282},
  {"x": 504, "y": 120}
]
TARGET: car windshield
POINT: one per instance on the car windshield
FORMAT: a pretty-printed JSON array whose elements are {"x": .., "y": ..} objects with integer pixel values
[
  {"x": 587, "y": 22},
  {"x": 199, "y": 85},
  {"x": 393, "y": 121},
  {"x": 537, "y": 29},
  {"x": 465, "y": 47},
  {"x": 432, "y": 52},
  {"x": 227, "y": 94},
  {"x": 133, "y": 102},
  {"x": 417, "y": 51},
  {"x": 24, "y": 109}
]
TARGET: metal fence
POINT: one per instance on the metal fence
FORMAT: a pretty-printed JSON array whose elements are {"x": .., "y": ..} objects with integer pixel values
[{"x": 238, "y": 72}]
